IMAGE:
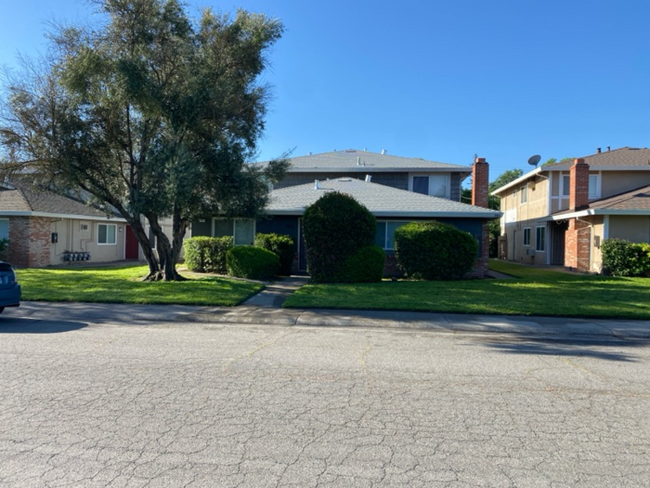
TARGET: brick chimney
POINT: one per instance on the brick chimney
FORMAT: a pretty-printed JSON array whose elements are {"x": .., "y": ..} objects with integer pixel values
[
  {"x": 480, "y": 176},
  {"x": 579, "y": 185}
]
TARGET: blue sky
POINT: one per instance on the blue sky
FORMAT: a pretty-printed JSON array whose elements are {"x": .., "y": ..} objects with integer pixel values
[{"x": 440, "y": 80}]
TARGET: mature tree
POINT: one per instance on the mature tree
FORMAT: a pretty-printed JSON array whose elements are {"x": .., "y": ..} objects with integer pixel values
[
  {"x": 152, "y": 114},
  {"x": 553, "y": 161}
]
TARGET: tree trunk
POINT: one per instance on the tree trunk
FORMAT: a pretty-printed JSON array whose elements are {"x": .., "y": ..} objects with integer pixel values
[{"x": 166, "y": 254}]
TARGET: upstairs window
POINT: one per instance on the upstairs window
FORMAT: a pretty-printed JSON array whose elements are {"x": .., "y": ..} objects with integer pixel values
[
  {"x": 594, "y": 186},
  {"x": 435, "y": 185},
  {"x": 523, "y": 194}
]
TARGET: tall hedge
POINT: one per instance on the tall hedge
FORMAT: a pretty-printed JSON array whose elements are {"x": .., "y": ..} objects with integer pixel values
[
  {"x": 207, "y": 254},
  {"x": 625, "y": 258},
  {"x": 434, "y": 251},
  {"x": 280, "y": 244},
  {"x": 335, "y": 227}
]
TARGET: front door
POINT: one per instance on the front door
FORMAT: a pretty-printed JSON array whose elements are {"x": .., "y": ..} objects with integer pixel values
[
  {"x": 557, "y": 231},
  {"x": 130, "y": 244}
]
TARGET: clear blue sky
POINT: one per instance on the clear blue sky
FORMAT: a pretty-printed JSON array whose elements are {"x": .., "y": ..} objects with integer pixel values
[{"x": 440, "y": 80}]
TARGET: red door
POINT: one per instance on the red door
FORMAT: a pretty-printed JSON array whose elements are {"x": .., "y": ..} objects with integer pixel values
[{"x": 131, "y": 244}]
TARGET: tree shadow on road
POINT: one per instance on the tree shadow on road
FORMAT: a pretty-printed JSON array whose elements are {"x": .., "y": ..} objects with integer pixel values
[
  {"x": 611, "y": 350},
  {"x": 32, "y": 326}
]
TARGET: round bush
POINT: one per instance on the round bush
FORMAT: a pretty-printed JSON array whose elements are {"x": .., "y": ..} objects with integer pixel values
[
  {"x": 252, "y": 262},
  {"x": 364, "y": 266},
  {"x": 434, "y": 251},
  {"x": 335, "y": 227},
  {"x": 280, "y": 244}
]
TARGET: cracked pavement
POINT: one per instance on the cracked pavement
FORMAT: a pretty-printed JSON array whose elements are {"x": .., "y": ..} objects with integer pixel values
[{"x": 198, "y": 404}]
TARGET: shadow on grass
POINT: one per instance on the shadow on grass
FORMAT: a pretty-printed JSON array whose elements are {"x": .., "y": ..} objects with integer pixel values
[
  {"x": 597, "y": 349},
  {"x": 31, "y": 326}
]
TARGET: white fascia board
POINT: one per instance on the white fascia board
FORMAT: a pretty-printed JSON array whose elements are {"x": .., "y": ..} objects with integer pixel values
[
  {"x": 25, "y": 213},
  {"x": 597, "y": 211},
  {"x": 518, "y": 181}
]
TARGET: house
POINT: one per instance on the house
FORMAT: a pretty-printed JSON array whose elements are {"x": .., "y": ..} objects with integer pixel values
[
  {"x": 396, "y": 190},
  {"x": 559, "y": 214},
  {"x": 47, "y": 229}
]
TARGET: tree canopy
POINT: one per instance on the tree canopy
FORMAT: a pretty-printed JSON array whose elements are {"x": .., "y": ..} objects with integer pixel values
[{"x": 151, "y": 113}]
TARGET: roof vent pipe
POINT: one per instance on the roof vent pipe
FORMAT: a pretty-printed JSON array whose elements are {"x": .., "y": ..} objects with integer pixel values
[
  {"x": 368, "y": 178},
  {"x": 315, "y": 184},
  {"x": 358, "y": 161},
  {"x": 383, "y": 151},
  {"x": 609, "y": 148},
  {"x": 598, "y": 149}
]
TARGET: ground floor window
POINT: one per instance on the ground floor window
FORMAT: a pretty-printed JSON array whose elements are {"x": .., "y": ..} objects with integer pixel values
[
  {"x": 106, "y": 234},
  {"x": 241, "y": 230},
  {"x": 527, "y": 236},
  {"x": 4, "y": 229},
  {"x": 385, "y": 237},
  {"x": 540, "y": 239}
]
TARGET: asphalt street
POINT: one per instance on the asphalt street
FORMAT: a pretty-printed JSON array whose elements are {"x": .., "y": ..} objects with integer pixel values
[{"x": 148, "y": 403}]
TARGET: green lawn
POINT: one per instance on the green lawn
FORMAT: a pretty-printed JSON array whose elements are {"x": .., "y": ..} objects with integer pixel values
[
  {"x": 124, "y": 285},
  {"x": 534, "y": 291}
]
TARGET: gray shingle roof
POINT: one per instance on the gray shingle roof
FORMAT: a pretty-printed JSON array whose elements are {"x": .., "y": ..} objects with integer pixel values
[
  {"x": 21, "y": 199},
  {"x": 633, "y": 201},
  {"x": 381, "y": 200},
  {"x": 352, "y": 160},
  {"x": 624, "y": 157}
]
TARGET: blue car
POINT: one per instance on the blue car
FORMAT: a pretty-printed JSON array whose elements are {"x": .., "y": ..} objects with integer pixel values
[{"x": 9, "y": 287}]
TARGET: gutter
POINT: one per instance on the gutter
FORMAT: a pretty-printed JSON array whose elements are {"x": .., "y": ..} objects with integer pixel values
[{"x": 27, "y": 213}]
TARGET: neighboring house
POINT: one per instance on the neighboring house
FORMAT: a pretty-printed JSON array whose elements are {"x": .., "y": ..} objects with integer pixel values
[
  {"x": 559, "y": 214},
  {"x": 48, "y": 229},
  {"x": 405, "y": 195}
]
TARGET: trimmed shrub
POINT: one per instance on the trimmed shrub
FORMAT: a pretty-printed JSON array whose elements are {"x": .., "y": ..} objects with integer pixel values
[
  {"x": 625, "y": 258},
  {"x": 335, "y": 227},
  {"x": 282, "y": 245},
  {"x": 207, "y": 254},
  {"x": 364, "y": 266},
  {"x": 252, "y": 262},
  {"x": 434, "y": 251}
]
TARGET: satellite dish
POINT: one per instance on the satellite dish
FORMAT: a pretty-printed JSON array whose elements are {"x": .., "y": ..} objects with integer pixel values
[{"x": 534, "y": 160}]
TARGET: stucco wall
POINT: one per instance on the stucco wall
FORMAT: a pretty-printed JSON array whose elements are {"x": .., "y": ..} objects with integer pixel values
[{"x": 81, "y": 236}]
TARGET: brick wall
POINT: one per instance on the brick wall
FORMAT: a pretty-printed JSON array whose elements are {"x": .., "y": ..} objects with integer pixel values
[
  {"x": 480, "y": 181},
  {"x": 29, "y": 242},
  {"x": 577, "y": 240}
]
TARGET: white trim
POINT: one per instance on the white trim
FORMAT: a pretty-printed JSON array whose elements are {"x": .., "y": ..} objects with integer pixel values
[
  {"x": 596, "y": 211},
  {"x": 29, "y": 213}
]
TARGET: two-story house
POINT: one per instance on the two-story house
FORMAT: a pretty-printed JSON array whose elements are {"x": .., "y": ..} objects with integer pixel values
[
  {"x": 559, "y": 214},
  {"x": 397, "y": 190}
]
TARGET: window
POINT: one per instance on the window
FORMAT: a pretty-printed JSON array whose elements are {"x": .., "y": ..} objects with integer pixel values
[
  {"x": 242, "y": 231},
  {"x": 540, "y": 239},
  {"x": 523, "y": 194},
  {"x": 594, "y": 190},
  {"x": 106, "y": 234},
  {"x": 566, "y": 185},
  {"x": 436, "y": 185},
  {"x": 527, "y": 236},
  {"x": 385, "y": 237},
  {"x": 4, "y": 229}
]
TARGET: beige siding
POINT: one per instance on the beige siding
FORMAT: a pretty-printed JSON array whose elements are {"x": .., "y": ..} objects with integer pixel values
[
  {"x": 615, "y": 182},
  {"x": 632, "y": 228},
  {"x": 81, "y": 236},
  {"x": 597, "y": 236}
]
